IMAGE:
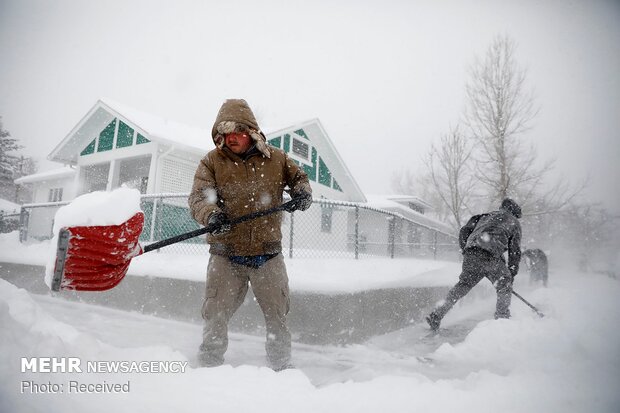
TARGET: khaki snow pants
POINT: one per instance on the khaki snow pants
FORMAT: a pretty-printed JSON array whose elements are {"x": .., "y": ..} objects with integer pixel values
[{"x": 227, "y": 285}]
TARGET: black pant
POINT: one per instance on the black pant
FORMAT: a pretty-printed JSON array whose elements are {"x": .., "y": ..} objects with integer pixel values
[{"x": 479, "y": 264}]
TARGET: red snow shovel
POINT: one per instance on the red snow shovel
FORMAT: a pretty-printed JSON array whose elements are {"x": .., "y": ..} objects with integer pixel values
[{"x": 96, "y": 258}]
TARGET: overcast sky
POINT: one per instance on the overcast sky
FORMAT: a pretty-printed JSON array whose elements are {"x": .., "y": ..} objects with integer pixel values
[{"x": 385, "y": 78}]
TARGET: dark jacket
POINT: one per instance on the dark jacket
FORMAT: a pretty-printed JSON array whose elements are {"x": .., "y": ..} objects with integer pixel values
[
  {"x": 537, "y": 260},
  {"x": 495, "y": 232}
]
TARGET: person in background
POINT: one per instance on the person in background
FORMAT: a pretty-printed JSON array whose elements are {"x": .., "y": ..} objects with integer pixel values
[
  {"x": 484, "y": 240},
  {"x": 537, "y": 264},
  {"x": 243, "y": 174}
]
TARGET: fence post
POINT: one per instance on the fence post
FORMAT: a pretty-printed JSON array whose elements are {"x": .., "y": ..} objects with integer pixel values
[
  {"x": 435, "y": 245},
  {"x": 402, "y": 238},
  {"x": 291, "y": 235},
  {"x": 153, "y": 217},
  {"x": 391, "y": 235},
  {"x": 23, "y": 224},
  {"x": 357, "y": 232}
]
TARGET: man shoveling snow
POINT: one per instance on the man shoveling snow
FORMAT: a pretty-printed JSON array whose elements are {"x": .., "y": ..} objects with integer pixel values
[{"x": 483, "y": 240}]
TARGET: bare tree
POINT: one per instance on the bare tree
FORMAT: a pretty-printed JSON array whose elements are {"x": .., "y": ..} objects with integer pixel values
[
  {"x": 449, "y": 168},
  {"x": 420, "y": 184},
  {"x": 499, "y": 110},
  {"x": 498, "y": 113}
]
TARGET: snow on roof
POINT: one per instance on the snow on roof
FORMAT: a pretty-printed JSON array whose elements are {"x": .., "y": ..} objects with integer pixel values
[
  {"x": 154, "y": 128},
  {"x": 385, "y": 202},
  {"x": 57, "y": 173},
  {"x": 328, "y": 154},
  {"x": 163, "y": 129},
  {"x": 409, "y": 198},
  {"x": 9, "y": 207}
]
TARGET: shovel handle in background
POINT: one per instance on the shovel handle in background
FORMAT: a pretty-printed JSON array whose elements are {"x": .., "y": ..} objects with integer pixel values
[
  {"x": 536, "y": 310},
  {"x": 540, "y": 314},
  {"x": 96, "y": 258}
]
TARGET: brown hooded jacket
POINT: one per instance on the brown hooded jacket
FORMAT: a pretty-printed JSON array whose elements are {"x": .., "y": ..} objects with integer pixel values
[{"x": 241, "y": 184}]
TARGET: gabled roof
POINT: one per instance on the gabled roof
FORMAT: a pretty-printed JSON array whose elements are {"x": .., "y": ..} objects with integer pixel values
[
  {"x": 193, "y": 140},
  {"x": 329, "y": 155},
  {"x": 153, "y": 127}
]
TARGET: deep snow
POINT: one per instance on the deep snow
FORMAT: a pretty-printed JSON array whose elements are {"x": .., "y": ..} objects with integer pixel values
[{"x": 568, "y": 361}]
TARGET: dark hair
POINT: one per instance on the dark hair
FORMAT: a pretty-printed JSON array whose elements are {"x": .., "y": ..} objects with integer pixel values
[{"x": 512, "y": 207}]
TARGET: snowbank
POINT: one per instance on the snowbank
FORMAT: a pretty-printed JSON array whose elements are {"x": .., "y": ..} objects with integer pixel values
[{"x": 95, "y": 208}]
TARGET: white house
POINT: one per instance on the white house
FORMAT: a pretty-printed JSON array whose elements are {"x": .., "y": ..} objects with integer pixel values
[{"x": 116, "y": 145}]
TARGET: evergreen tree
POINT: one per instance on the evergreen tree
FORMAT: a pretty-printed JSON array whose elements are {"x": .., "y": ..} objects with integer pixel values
[
  {"x": 12, "y": 166},
  {"x": 8, "y": 160}
]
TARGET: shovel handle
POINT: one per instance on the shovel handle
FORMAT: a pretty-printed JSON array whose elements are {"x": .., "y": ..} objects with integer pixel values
[
  {"x": 211, "y": 228},
  {"x": 541, "y": 315},
  {"x": 536, "y": 310}
]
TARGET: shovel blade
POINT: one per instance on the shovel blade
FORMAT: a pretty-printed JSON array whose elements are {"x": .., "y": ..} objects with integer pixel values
[{"x": 96, "y": 258}]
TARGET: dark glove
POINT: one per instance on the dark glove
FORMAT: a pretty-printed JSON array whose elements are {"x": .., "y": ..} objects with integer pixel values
[
  {"x": 301, "y": 201},
  {"x": 514, "y": 270},
  {"x": 220, "y": 223}
]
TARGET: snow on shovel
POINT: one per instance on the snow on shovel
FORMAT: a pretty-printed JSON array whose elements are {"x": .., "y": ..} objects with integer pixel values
[{"x": 97, "y": 257}]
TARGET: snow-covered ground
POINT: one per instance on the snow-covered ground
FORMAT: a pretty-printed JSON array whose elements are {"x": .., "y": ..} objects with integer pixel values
[{"x": 568, "y": 361}]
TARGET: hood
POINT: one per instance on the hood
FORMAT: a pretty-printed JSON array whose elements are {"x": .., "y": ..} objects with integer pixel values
[
  {"x": 512, "y": 207},
  {"x": 235, "y": 115}
]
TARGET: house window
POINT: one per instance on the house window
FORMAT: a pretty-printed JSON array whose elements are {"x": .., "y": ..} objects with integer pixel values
[
  {"x": 105, "y": 141},
  {"x": 277, "y": 142},
  {"x": 94, "y": 177},
  {"x": 90, "y": 149},
  {"x": 336, "y": 186},
  {"x": 134, "y": 173},
  {"x": 141, "y": 139},
  {"x": 106, "y": 137},
  {"x": 54, "y": 195},
  {"x": 326, "y": 219},
  {"x": 125, "y": 135},
  {"x": 300, "y": 149},
  {"x": 311, "y": 169},
  {"x": 325, "y": 176}
]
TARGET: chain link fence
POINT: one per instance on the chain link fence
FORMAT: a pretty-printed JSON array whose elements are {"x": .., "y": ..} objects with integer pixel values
[{"x": 328, "y": 229}]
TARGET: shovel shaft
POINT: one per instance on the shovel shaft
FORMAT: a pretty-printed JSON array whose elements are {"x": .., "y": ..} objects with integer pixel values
[
  {"x": 541, "y": 315},
  {"x": 211, "y": 228},
  {"x": 96, "y": 258}
]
